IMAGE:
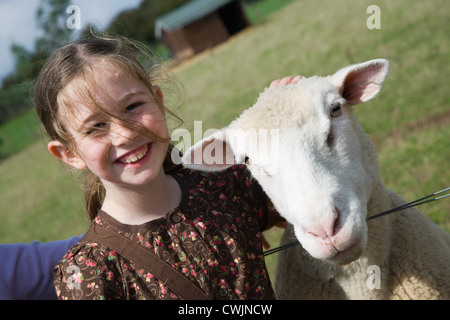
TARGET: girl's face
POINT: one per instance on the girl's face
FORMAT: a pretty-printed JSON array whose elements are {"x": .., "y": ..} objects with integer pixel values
[{"x": 116, "y": 154}]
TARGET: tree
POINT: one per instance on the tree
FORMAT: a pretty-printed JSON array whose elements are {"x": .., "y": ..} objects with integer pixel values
[
  {"x": 51, "y": 18},
  {"x": 16, "y": 87}
]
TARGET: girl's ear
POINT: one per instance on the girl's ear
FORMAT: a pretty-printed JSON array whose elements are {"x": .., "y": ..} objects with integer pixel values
[
  {"x": 61, "y": 152},
  {"x": 158, "y": 94}
]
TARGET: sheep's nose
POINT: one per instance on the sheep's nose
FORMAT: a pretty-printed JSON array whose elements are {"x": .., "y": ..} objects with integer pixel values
[{"x": 325, "y": 228}]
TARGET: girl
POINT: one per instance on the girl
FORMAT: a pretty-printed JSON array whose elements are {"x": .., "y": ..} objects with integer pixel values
[{"x": 105, "y": 117}]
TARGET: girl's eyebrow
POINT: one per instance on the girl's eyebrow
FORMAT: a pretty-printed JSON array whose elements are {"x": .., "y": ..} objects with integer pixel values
[
  {"x": 94, "y": 117},
  {"x": 129, "y": 95}
]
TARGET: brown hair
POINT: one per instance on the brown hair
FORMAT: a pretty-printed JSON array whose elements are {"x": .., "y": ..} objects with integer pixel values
[{"x": 73, "y": 61}]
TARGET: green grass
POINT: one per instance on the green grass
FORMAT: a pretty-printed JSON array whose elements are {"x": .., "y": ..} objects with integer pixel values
[
  {"x": 258, "y": 11},
  {"x": 38, "y": 199},
  {"x": 18, "y": 133},
  {"x": 409, "y": 120}
]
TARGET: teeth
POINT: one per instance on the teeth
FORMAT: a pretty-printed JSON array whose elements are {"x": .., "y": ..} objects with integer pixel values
[{"x": 137, "y": 157}]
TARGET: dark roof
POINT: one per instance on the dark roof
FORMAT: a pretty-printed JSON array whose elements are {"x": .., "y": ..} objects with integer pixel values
[{"x": 186, "y": 14}]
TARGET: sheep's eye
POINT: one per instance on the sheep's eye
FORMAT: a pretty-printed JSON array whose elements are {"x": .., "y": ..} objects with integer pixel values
[{"x": 336, "y": 110}]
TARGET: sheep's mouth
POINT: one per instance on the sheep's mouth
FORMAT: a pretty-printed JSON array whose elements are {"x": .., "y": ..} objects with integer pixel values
[
  {"x": 341, "y": 253},
  {"x": 347, "y": 255}
]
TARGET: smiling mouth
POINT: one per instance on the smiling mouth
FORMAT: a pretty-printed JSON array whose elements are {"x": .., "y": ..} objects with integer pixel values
[{"x": 134, "y": 156}]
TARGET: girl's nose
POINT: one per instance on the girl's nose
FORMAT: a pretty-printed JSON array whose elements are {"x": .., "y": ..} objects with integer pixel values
[{"x": 120, "y": 134}]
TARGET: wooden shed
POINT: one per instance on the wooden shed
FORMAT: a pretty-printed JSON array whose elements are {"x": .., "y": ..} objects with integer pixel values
[{"x": 200, "y": 25}]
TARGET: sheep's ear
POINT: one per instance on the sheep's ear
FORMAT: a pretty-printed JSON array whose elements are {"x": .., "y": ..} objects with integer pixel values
[
  {"x": 213, "y": 153},
  {"x": 361, "y": 82}
]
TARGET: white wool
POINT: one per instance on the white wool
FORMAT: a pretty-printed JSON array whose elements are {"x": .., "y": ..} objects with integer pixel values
[{"x": 321, "y": 172}]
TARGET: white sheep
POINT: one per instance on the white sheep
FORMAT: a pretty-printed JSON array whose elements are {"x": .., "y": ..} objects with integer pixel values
[{"x": 307, "y": 150}]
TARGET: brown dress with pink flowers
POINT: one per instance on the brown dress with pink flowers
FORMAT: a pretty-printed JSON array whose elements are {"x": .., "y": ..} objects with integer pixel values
[{"x": 212, "y": 237}]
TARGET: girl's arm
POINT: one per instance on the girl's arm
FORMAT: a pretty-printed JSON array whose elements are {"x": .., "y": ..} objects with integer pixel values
[{"x": 26, "y": 270}]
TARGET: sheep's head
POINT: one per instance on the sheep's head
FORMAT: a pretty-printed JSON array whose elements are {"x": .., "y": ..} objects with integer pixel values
[{"x": 306, "y": 149}]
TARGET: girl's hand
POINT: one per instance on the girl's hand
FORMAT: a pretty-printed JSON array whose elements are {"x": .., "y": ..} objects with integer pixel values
[{"x": 285, "y": 81}]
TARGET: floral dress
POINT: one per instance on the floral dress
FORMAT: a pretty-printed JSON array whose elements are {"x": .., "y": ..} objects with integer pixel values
[{"x": 212, "y": 237}]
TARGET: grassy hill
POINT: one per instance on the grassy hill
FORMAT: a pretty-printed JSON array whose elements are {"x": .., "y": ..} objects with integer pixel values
[{"x": 409, "y": 120}]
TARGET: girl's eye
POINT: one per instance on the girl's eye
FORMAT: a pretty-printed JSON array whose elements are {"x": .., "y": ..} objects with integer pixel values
[
  {"x": 134, "y": 106},
  {"x": 95, "y": 128}
]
